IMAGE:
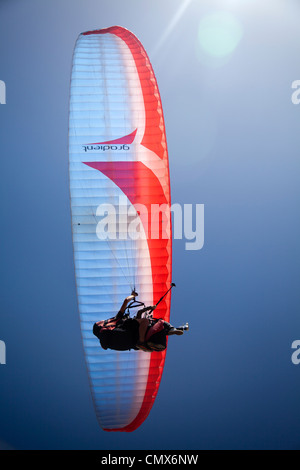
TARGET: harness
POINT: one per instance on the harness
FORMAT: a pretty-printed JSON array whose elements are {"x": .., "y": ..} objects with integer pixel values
[{"x": 109, "y": 324}]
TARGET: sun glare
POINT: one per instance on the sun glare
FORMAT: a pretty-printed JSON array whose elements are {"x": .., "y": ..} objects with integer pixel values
[
  {"x": 219, "y": 35},
  {"x": 175, "y": 19}
]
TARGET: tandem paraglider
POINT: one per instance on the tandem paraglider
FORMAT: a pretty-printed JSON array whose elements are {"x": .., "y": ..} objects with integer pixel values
[
  {"x": 141, "y": 332},
  {"x": 118, "y": 152}
]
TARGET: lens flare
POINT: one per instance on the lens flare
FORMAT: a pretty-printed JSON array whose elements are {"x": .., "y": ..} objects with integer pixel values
[{"x": 219, "y": 34}]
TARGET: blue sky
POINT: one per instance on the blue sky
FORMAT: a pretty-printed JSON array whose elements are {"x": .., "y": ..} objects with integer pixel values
[{"x": 225, "y": 70}]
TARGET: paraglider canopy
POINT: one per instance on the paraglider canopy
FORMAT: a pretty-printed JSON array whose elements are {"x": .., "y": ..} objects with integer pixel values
[{"x": 119, "y": 172}]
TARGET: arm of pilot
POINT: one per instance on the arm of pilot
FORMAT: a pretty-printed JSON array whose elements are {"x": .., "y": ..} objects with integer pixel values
[{"x": 125, "y": 303}]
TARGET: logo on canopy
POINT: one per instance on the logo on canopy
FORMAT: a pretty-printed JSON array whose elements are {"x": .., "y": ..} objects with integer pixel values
[{"x": 117, "y": 144}]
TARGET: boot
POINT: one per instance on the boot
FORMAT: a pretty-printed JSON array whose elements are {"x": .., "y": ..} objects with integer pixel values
[
  {"x": 184, "y": 327},
  {"x": 175, "y": 331}
]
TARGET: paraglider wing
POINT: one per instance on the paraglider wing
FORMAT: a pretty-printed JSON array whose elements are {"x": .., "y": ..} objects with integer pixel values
[{"x": 119, "y": 177}]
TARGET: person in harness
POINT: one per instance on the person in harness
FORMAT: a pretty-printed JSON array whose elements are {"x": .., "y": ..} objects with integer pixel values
[{"x": 143, "y": 332}]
